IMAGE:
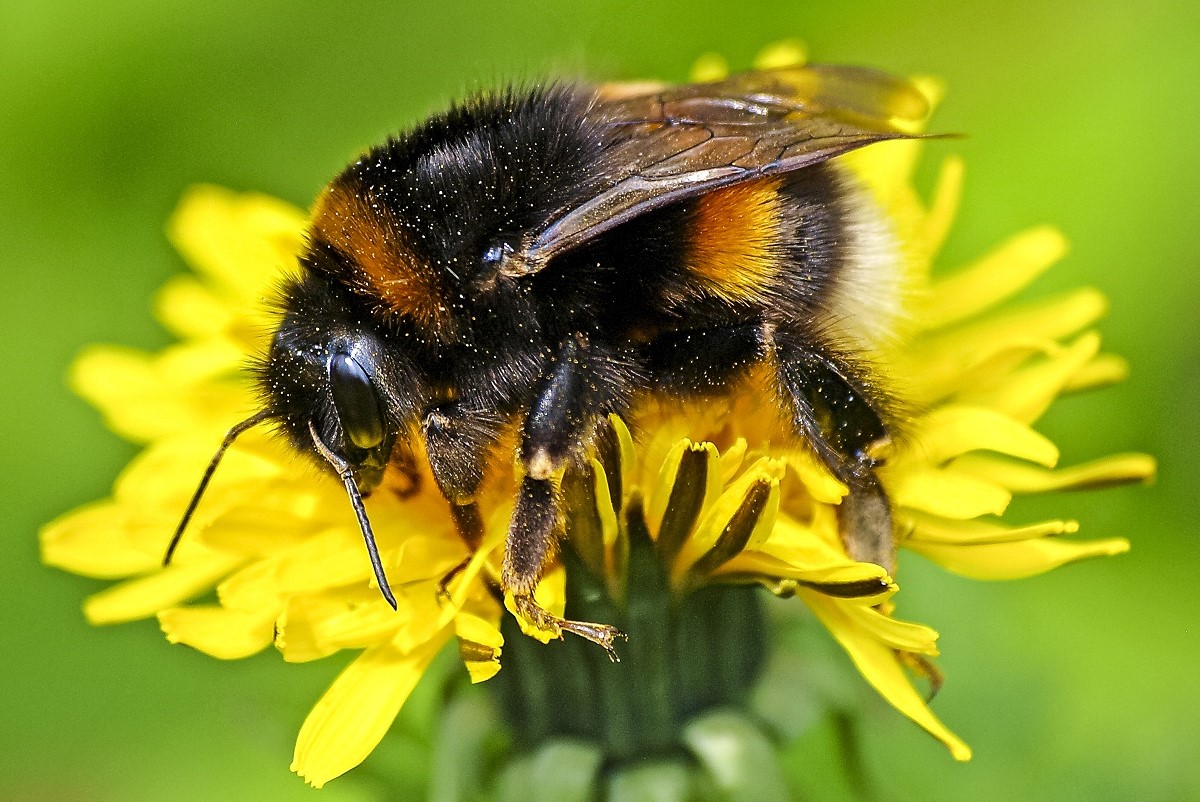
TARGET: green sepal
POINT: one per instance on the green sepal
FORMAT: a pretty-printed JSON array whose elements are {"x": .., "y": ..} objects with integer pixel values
[
  {"x": 654, "y": 781},
  {"x": 739, "y": 757},
  {"x": 560, "y": 770},
  {"x": 470, "y": 732}
]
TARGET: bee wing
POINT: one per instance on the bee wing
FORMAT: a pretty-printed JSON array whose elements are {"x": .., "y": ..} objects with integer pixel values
[{"x": 676, "y": 142}]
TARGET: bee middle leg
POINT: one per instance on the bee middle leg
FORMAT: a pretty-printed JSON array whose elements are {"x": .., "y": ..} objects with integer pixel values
[{"x": 584, "y": 382}]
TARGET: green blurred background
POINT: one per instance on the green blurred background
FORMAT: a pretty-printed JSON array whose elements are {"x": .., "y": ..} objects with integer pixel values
[{"x": 1077, "y": 685}]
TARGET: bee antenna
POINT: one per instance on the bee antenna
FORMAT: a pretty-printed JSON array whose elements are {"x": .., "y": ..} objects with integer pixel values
[
  {"x": 233, "y": 434},
  {"x": 347, "y": 476}
]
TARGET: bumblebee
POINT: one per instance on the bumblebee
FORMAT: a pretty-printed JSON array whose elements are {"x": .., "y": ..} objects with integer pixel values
[{"x": 535, "y": 259}]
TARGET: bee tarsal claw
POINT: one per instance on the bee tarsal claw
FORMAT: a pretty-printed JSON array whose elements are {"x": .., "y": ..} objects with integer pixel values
[{"x": 603, "y": 635}]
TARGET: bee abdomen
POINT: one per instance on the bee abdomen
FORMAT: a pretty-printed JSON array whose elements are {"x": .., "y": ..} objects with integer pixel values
[
  {"x": 847, "y": 268},
  {"x": 811, "y": 248}
]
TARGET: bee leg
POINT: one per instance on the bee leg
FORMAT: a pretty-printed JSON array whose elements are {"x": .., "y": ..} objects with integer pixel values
[
  {"x": 833, "y": 406},
  {"x": 468, "y": 521},
  {"x": 532, "y": 540},
  {"x": 583, "y": 383},
  {"x": 457, "y": 442}
]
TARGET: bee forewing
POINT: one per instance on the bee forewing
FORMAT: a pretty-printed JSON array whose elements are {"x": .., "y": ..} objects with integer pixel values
[{"x": 678, "y": 142}]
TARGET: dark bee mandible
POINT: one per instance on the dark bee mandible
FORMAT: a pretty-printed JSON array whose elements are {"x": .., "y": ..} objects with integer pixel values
[{"x": 536, "y": 259}]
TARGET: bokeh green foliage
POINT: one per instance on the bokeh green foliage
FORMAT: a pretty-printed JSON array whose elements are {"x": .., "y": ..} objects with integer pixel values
[{"x": 1078, "y": 685}]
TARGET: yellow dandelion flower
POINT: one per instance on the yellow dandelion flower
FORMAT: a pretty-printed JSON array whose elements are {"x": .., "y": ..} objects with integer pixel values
[{"x": 670, "y": 535}]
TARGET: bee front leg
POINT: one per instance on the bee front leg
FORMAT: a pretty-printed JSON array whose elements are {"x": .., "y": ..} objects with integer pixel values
[
  {"x": 457, "y": 444},
  {"x": 835, "y": 406},
  {"x": 583, "y": 383}
]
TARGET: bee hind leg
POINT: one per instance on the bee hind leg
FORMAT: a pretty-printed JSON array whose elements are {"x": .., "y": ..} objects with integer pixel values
[
  {"x": 835, "y": 407},
  {"x": 583, "y": 383}
]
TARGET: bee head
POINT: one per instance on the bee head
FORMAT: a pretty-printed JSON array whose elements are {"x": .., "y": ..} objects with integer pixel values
[
  {"x": 335, "y": 383},
  {"x": 338, "y": 389}
]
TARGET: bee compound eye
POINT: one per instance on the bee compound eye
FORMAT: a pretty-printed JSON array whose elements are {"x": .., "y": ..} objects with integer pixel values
[{"x": 356, "y": 400}]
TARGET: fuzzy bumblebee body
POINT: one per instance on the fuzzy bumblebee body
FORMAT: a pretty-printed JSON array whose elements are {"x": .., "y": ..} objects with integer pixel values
[{"x": 536, "y": 259}]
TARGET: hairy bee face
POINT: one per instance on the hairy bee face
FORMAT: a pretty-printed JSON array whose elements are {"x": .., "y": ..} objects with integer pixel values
[
  {"x": 535, "y": 260},
  {"x": 333, "y": 382}
]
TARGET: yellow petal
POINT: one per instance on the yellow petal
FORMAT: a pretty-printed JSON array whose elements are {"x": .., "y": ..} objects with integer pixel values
[
  {"x": 628, "y": 457},
  {"x": 1028, "y": 392},
  {"x": 805, "y": 545},
  {"x": 482, "y": 663},
  {"x": 848, "y": 580},
  {"x": 983, "y": 353},
  {"x": 1016, "y": 560},
  {"x": 947, "y": 492},
  {"x": 822, "y": 485},
  {"x": 188, "y": 309},
  {"x": 1102, "y": 371},
  {"x": 358, "y": 709},
  {"x": 709, "y": 67},
  {"x": 878, "y": 664},
  {"x": 480, "y": 644},
  {"x": 374, "y": 621},
  {"x": 425, "y": 556},
  {"x": 932, "y": 87},
  {"x": 1017, "y": 477},
  {"x": 144, "y": 597},
  {"x": 253, "y": 587},
  {"x": 930, "y": 529},
  {"x": 955, "y": 429},
  {"x": 243, "y": 242},
  {"x": 1048, "y": 319},
  {"x": 166, "y": 474},
  {"x": 766, "y": 519},
  {"x": 606, "y": 505},
  {"x": 480, "y": 630},
  {"x": 947, "y": 195},
  {"x": 732, "y": 459},
  {"x": 327, "y": 561},
  {"x": 936, "y": 374},
  {"x": 92, "y": 541},
  {"x": 784, "y": 53},
  {"x": 999, "y": 275},
  {"x": 219, "y": 632},
  {"x": 316, "y": 625},
  {"x": 1054, "y": 317},
  {"x": 816, "y": 541},
  {"x": 256, "y": 529},
  {"x": 902, "y": 635},
  {"x": 886, "y": 169},
  {"x": 424, "y": 612},
  {"x": 144, "y": 398}
]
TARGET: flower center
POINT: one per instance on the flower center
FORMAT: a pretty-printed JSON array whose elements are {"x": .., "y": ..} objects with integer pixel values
[{"x": 685, "y": 655}]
